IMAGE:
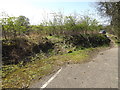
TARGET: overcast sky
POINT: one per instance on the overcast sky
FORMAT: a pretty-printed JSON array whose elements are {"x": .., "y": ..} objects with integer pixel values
[{"x": 37, "y": 10}]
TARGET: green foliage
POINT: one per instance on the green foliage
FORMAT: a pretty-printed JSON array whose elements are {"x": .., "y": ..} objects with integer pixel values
[
  {"x": 70, "y": 24},
  {"x": 13, "y": 26},
  {"x": 8, "y": 69},
  {"x": 59, "y": 25},
  {"x": 8, "y": 26},
  {"x": 21, "y": 23},
  {"x": 111, "y": 10},
  {"x": 87, "y": 40}
]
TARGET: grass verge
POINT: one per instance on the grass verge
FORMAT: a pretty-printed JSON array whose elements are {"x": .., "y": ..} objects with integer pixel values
[{"x": 22, "y": 77}]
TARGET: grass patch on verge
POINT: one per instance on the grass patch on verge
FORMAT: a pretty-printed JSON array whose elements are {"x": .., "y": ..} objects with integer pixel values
[{"x": 22, "y": 77}]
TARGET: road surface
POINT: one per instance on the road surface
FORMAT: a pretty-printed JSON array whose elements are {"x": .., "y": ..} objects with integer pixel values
[{"x": 101, "y": 72}]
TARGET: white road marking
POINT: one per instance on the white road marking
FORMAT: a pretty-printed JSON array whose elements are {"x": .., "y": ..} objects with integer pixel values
[{"x": 51, "y": 79}]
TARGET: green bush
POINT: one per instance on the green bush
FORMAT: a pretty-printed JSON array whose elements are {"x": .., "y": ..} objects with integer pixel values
[{"x": 87, "y": 40}]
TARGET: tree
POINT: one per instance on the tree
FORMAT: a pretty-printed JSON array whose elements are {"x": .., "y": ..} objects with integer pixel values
[
  {"x": 94, "y": 25},
  {"x": 22, "y": 24},
  {"x": 70, "y": 23},
  {"x": 12, "y": 26},
  {"x": 56, "y": 23},
  {"x": 8, "y": 27},
  {"x": 85, "y": 21},
  {"x": 111, "y": 10}
]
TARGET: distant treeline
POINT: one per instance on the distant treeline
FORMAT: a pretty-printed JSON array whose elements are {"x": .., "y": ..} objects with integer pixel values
[{"x": 59, "y": 24}]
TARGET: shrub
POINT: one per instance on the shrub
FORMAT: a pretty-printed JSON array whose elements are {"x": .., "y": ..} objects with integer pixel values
[{"x": 87, "y": 40}]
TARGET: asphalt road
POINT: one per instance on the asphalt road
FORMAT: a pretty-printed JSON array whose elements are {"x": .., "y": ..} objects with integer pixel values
[{"x": 101, "y": 72}]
